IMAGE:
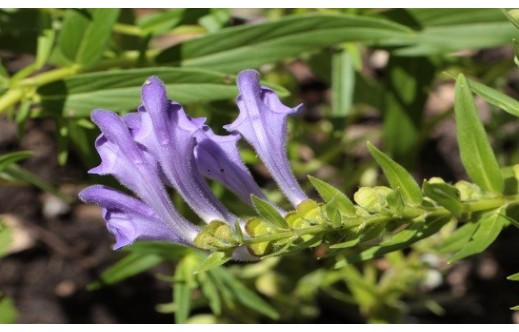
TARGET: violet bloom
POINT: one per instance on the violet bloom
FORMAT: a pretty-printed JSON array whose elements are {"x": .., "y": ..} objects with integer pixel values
[
  {"x": 136, "y": 169},
  {"x": 160, "y": 146},
  {"x": 262, "y": 122}
]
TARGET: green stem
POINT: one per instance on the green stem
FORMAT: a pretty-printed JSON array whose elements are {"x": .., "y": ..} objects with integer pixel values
[
  {"x": 10, "y": 98},
  {"x": 409, "y": 213}
]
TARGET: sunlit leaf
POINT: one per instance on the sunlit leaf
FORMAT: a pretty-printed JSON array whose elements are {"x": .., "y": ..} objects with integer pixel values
[
  {"x": 269, "y": 212},
  {"x": 397, "y": 176},
  {"x": 475, "y": 150}
]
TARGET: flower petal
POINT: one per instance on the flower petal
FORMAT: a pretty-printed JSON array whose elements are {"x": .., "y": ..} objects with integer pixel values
[
  {"x": 262, "y": 122},
  {"x": 218, "y": 158},
  {"x": 128, "y": 218},
  {"x": 136, "y": 169},
  {"x": 170, "y": 136}
]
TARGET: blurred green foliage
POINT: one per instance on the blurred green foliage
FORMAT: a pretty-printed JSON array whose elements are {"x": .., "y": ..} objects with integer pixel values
[{"x": 374, "y": 63}]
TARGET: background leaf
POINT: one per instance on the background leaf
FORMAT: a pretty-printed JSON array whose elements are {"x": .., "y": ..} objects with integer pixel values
[
  {"x": 85, "y": 34},
  {"x": 233, "y": 49}
]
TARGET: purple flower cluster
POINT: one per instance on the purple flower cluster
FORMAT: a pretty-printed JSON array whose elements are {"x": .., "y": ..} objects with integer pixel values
[{"x": 160, "y": 147}]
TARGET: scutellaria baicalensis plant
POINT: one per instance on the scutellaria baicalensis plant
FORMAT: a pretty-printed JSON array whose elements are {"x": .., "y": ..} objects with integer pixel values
[{"x": 161, "y": 147}]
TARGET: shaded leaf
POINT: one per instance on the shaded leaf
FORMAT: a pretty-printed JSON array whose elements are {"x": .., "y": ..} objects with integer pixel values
[
  {"x": 230, "y": 50},
  {"x": 244, "y": 295},
  {"x": 184, "y": 284},
  {"x": 85, "y": 34},
  {"x": 8, "y": 312},
  {"x": 488, "y": 228},
  {"x": 10, "y": 158},
  {"x": 130, "y": 265},
  {"x": 215, "y": 259},
  {"x": 119, "y": 90}
]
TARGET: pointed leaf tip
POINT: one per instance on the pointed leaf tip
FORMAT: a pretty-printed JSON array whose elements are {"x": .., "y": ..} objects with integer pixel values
[{"x": 397, "y": 176}]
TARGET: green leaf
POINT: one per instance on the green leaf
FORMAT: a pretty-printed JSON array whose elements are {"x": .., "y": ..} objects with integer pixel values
[
  {"x": 210, "y": 291},
  {"x": 130, "y": 265},
  {"x": 445, "y": 30},
  {"x": 161, "y": 21},
  {"x": 343, "y": 81},
  {"x": 475, "y": 150},
  {"x": 45, "y": 45},
  {"x": 269, "y": 213},
  {"x": 513, "y": 277},
  {"x": 407, "y": 90},
  {"x": 85, "y": 34},
  {"x": 232, "y": 49},
  {"x": 444, "y": 194},
  {"x": 16, "y": 173},
  {"x": 244, "y": 295},
  {"x": 215, "y": 259},
  {"x": 217, "y": 235},
  {"x": 512, "y": 16},
  {"x": 329, "y": 192},
  {"x": 119, "y": 90},
  {"x": 397, "y": 176},
  {"x": 458, "y": 238},
  {"x": 184, "y": 284},
  {"x": 5, "y": 238},
  {"x": 10, "y": 158},
  {"x": 413, "y": 233},
  {"x": 488, "y": 228},
  {"x": 167, "y": 250},
  {"x": 8, "y": 312},
  {"x": 497, "y": 98}
]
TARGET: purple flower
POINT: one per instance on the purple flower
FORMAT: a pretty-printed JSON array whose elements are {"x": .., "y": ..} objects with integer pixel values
[
  {"x": 262, "y": 122},
  {"x": 169, "y": 135},
  {"x": 218, "y": 158},
  {"x": 160, "y": 146},
  {"x": 129, "y": 219},
  {"x": 136, "y": 169}
]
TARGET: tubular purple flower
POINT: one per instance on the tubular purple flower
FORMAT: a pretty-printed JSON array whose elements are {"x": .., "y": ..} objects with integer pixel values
[
  {"x": 262, "y": 122},
  {"x": 136, "y": 169},
  {"x": 128, "y": 218},
  {"x": 218, "y": 158},
  {"x": 169, "y": 135}
]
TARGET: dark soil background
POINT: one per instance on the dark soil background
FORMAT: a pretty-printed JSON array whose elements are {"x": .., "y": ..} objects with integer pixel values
[{"x": 60, "y": 248}]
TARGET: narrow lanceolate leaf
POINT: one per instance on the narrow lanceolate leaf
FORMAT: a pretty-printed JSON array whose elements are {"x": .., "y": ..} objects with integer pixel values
[
  {"x": 329, "y": 192},
  {"x": 10, "y": 158},
  {"x": 513, "y": 277},
  {"x": 8, "y": 312},
  {"x": 129, "y": 266},
  {"x": 445, "y": 195},
  {"x": 85, "y": 34},
  {"x": 232, "y": 49},
  {"x": 244, "y": 295},
  {"x": 119, "y": 90},
  {"x": 475, "y": 150},
  {"x": 397, "y": 176},
  {"x": 215, "y": 259},
  {"x": 499, "y": 99},
  {"x": 269, "y": 213},
  {"x": 5, "y": 238},
  {"x": 184, "y": 284},
  {"x": 487, "y": 231}
]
